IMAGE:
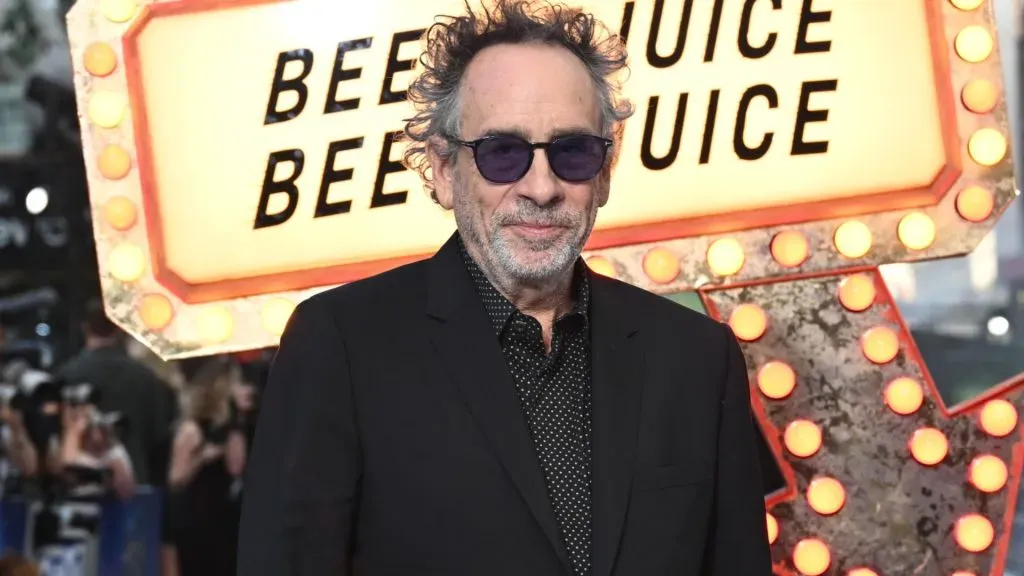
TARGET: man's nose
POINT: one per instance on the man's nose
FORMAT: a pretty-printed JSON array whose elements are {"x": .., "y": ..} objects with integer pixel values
[{"x": 540, "y": 184}]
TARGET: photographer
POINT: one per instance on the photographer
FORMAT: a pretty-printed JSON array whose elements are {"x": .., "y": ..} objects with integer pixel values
[
  {"x": 15, "y": 445},
  {"x": 29, "y": 404},
  {"x": 87, "y": 464}
]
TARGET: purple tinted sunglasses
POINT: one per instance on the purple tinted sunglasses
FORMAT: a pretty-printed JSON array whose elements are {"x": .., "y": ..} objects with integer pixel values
[{"x": 505, "y": 158}]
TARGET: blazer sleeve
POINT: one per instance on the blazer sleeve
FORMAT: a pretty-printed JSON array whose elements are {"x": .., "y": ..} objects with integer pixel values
[
  {"x": 738, "y": 540},
  {"x": 304, "y": 470}
]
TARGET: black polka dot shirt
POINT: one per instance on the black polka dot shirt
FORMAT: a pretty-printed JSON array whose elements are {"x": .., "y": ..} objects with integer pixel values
[{"x": 554, "y": 393}]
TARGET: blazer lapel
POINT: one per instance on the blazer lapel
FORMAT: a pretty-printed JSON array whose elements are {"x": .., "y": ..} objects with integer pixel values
[
  {"x": 464, "y": 338},
  {"x": 617, "y": 379}
]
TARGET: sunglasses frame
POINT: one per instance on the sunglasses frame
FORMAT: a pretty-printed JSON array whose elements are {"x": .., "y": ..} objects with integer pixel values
[{"x": 534, "y": 146}]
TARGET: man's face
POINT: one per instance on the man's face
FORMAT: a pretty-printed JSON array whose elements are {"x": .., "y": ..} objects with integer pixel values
[{"x": 530, "y": 231}]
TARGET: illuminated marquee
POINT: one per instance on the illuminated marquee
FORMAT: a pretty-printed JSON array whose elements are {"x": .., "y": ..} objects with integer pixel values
[{"x": 232, "y": 178}]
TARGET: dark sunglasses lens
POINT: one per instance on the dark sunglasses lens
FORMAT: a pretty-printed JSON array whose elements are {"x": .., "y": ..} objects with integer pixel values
[
  {"x": 503, "y": 159},
  {"x": 577, "y": 158}
]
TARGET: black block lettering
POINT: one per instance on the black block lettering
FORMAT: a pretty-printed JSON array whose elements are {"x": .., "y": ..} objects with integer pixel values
[
  {"x": 807, "y": 17},
  {"x": 744, "y": 152},
  {"x": 709, "y": 127},
  {"x": 332, "y": 175},
  {"x": 805, "y": 116},
  {"x": 746, "y": 48},
  {"x": 340, "y": 74},
  {"x": 384, "y": 167},
  {"x": 650, "y": 161},
  {"x": 655, "y": 59},
  {"x": 271, "y": 187},
  {"x": 627, "y": 21},
  {"x": 387, "y": 96},
  {"x": 716, "y": 23},
  {"x": 280, "y": 84}
]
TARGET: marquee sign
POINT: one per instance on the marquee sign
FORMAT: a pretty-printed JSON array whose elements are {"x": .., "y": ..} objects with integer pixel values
[
  {"x": 230, "y": 178},
  {"x": 241, "y": 158}
]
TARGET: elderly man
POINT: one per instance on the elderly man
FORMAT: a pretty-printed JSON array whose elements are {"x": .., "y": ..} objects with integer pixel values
[{"x": 499, "y": 409}]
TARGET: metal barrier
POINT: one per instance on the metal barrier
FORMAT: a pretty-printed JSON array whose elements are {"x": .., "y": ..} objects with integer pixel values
[{"x": 129, "y": 534}]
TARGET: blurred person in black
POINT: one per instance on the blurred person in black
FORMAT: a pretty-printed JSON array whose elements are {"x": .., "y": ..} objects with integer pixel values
[
  {"x": 207, "y": 460},
  {"x": 17, "y": 454},
  {"x": 127, "y": 387},
  {"x": 86, "y": 465}
]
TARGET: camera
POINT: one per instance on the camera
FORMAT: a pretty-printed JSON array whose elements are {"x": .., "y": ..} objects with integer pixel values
[{"x": 83, "y": 394}]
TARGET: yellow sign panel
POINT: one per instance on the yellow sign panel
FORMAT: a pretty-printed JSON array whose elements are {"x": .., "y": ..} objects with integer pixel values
[{"x": 264, "y": 130}]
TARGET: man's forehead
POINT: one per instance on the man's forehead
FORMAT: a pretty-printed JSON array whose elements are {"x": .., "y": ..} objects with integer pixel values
[{"x": 518, "y": 87}]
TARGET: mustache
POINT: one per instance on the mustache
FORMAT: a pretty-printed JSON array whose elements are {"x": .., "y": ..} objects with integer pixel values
[{"x": 537, "y": 216}]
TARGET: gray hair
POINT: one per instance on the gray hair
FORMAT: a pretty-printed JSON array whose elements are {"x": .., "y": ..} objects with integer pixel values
[{"x": 453, "y": 41}]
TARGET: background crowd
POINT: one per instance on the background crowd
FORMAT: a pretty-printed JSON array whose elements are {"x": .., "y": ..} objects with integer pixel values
[{"x": 114, "y": 420}]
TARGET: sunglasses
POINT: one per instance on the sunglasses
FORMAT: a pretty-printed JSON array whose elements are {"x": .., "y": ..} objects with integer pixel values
[{"x": 504, "y": 159}]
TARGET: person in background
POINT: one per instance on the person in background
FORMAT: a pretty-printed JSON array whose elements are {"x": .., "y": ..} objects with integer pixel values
[
  {"x": 16, "y": 448},
  {"x": 91, "y": 464},
  {"x": 127, "y": 387},
  {"x": 207, "y": 460}
]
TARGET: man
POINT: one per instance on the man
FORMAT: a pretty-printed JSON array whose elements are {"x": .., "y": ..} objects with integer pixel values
[
  {"x": 126, "y": 386},
  {"x": 499, "y": 409}
]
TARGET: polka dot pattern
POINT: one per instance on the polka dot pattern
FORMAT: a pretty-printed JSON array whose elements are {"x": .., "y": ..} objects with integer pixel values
[{"x": 554, "y": 393}]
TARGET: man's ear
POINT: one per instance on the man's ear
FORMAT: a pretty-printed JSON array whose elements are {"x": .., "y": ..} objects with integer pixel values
[
  {"x": 603, "y": 185},
  {"x": 442, "y": 170}
]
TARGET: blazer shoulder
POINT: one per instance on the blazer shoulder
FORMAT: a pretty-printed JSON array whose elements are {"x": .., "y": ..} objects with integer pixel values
[
  {"x": 394, "y": 288},
  {"x": 657, "y": 312}
]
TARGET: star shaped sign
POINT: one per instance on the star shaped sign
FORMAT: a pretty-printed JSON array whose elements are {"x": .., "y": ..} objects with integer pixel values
[{"x": 882, "y": 478}]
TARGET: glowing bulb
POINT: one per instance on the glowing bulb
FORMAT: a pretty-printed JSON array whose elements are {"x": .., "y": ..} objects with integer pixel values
[
  {"x": 113, "y": 162},
  {"x": 998, "y": 326},
  {"x": 773, "y": 528},
  {"x": 974, "y": 532},
  {"x": 979, "y": 96},
  {"x": 155, "y": 311},
  {"x": 880, "y": 344},
  {"x": 725, "y": 256},
  {"x": 37, "y": 200},
  {"x": 857, "y": 293},
  {"x": 811, "y": 557},
  {"x": 776, "y": 380},
  {"x": 853, "y": 239},
  {"x": 119, "y": 212},
  {"x": 106, "y": 109},
  {"x": 929, "y": 446},
  {"x": 975, "y": 204},
  {"x": 99, "y": 59},
  {"x": 987, "y": 147},
  {"x": 973, "y": 44},
  {"x": 661, "y": 265},
  {"x": 988, "y": 473},
  {"x": 904, "y": 396},
  {"x": 916, "y": 231},
  {"x": 214, "y": 324},
  {"x": 789, "y": 248},
  {"x": 802, "y": 438},
  {"x": 126, "y": 262},
  {"x": 601, "y": 265},
  {"x": 826, "y": 496},
  {"x": 998, "y": 418},
  {"x": 748, "y": 322}
]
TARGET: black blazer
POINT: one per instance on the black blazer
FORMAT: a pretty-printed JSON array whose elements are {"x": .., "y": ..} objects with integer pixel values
[{"x": 391, "y": 441}]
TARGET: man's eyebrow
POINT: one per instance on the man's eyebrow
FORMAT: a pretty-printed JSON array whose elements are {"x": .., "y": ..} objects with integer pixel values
[
  {"x": 521, "y": 133},
  {"x": 517, "y": 132}
]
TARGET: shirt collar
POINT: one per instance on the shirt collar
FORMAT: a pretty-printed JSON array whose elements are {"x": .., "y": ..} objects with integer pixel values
[{"x": 500, "y": 310}]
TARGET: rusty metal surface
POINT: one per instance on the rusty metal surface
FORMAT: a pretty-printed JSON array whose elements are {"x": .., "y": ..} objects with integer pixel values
[{"x": 899, "y": 515}]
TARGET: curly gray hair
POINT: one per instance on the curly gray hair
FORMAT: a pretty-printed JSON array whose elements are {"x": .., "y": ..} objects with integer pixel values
[{"x": 453, "y": 41}]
